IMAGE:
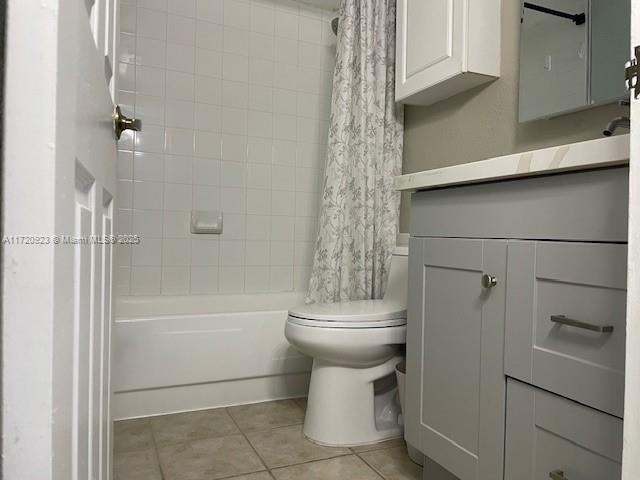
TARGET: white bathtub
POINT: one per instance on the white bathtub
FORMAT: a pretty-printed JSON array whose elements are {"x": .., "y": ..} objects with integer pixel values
[{"x": 177, "y": 353}]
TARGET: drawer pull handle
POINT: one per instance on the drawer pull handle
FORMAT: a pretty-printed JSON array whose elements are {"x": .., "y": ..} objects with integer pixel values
[
  {"x": 561, "y": 319},
  {"x": 557, "y": 475}
]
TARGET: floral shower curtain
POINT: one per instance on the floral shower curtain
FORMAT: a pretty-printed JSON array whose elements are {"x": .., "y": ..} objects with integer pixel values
[{"x": 359, "y": 214}]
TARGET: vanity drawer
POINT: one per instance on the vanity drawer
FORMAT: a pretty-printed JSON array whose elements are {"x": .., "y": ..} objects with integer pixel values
[
  {"x": 565, "y": 322},
  {"x": 548, "y": 436}
]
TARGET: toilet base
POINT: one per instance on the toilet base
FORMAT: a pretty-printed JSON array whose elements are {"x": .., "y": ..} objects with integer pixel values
[{"x": 345, "y": 408}]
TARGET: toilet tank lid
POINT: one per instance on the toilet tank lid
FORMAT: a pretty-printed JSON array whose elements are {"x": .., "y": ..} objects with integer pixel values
[{"x": 354, "y": 311}]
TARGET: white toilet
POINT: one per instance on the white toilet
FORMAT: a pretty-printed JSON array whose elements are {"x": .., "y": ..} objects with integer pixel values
[{"x": 355, "y": 347}]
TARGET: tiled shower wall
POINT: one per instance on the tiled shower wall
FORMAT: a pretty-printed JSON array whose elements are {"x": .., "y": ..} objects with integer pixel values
[{"x": 234, "y": 97}]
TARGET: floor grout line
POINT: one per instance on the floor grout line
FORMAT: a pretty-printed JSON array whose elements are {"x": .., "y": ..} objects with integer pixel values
[{"x": 264, "y": 464}]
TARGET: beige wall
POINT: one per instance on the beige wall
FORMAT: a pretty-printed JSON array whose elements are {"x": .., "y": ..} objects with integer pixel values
[{"x": 483, "y": 122}]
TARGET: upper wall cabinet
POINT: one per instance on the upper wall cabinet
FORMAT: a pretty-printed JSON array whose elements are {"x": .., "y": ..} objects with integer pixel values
[{"x": 444, "y": 47}]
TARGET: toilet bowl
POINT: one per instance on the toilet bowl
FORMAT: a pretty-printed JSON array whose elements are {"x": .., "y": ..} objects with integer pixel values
[{"x": 355, "y": 348}]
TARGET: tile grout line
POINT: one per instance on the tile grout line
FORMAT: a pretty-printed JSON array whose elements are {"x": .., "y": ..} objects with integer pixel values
[
  {"x": 264, "y": 464},
  {"x": 371, "y": 466}
]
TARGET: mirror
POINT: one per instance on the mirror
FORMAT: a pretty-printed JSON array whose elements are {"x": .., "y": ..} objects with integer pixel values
[{"x": 572, "y": 55}]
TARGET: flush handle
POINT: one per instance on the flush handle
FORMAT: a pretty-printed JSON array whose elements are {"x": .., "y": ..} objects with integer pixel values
[
  {"x": 121, "y": 122},
  {"x": 489, "y": 281}
]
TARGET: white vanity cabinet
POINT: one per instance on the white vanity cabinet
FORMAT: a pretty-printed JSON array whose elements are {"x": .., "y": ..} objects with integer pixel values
[
  {"x": 444, "y": 47},
  {"x": 515, "y": 328}
]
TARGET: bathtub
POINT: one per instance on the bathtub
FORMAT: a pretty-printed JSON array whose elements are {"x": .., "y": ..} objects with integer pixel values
[{"x": 181, "y": 353}]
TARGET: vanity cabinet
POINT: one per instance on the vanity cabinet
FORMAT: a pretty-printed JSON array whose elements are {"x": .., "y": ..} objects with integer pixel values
[
  {"x": 455, "y": 344},
  {"x": 444, "y": 47},
  {"x": 516, "y": 327}
]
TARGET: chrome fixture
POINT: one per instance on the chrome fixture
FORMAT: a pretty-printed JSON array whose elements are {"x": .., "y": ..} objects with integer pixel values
[
  {"x": 489, "y": 281},
  {"x": 562, "y": 320},
  {"x": 616, "y": 123},
  {"x": 334, "y": 25},
  {"x": 121, "y": 122}
]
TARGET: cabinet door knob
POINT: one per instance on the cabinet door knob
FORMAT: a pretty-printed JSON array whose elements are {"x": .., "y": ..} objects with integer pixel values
[
  {"x": 557, "y": 475},
  {"x": 489, "y": 281}
]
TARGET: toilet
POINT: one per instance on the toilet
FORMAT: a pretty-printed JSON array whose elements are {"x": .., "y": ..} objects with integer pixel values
[{"x": 355, "y": 348}]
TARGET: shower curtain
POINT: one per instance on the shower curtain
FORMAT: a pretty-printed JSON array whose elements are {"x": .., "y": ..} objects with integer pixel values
[{"x": 359, "y": 214}]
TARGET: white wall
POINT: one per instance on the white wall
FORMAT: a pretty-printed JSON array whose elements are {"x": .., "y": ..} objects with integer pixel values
[{"x": 234, "y": 96}]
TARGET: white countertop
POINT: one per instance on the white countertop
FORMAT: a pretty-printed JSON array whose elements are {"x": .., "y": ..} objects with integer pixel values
[{"x": 597, "y": 153}]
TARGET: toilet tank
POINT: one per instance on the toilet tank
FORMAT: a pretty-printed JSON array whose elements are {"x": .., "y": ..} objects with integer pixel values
[{"x": 398, "y": 276}]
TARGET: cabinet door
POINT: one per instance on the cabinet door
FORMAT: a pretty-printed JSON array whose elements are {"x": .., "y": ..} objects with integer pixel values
[
  {"x": 549, "y": 436},
  {"x": 430, "y": 46},
  {"x": 455, "y": 333},
  {"x": 553, "y": 285}
]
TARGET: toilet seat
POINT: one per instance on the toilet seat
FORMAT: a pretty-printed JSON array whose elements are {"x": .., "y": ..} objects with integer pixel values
[{"x": 354, "y": 314}]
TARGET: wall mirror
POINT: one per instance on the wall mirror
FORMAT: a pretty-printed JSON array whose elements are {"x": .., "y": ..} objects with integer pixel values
[{"x": 572, "y": 55}]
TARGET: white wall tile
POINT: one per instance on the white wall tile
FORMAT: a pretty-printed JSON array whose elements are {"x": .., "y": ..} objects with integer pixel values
[
  {"x": 235, "y": 94},
  {"x": 260, "y": 150},
  {"x": 147, "y": 223},
  {"x": 286, "y": 24},
  {"x": 260, "y": 46},
  {"x": 181, "y": 30},
  {"x": 147, "y": 195},
  {"x": 179, "y": 85},
  {"x": 207, "y": 144},
  {"x": 147, "y": 253},
  {"x": 145, "y": 280},
  {"x": 284, "y": 152},
  {"x": 178, "y": 169},
  {"x": 282, "y": 228},
  {"x": 206, "y": 171},
  {"x": 258, "y": 175},
  {"x": 151, "y": 24},
  {"x": 210, "y": 10},
  {"x": 176, "y": 252},
  {"x": 235, "y": 98},
  {"x": 176, "y": 224},
  {"x": 256, "y": 279},
  {"x": 231, "y": 279},
  {"x": 236, "y": 41},
  {"x": 234, "y": 148},
  {"x": 151, "y": 52},
  {"x": 258, "y": 227},
  {"x": 179, "y": 113},
  {"x": 186, "y": 8},
  {"x": 261, "y": 98},
  {"x": 208, "y": 63},
  {"x": 281, "y": 279},
  {"x": 208, "y": 117},
  {"x": 150, "y": 109},
  {"x": 204, "y": 252},
  {"x": 150, "y": 81},
  {"x": 206, "y": 198},
  {"x": 262, "y": 19},
  {"x": 175, "y": 280},
  {"x": 235, "y": 67},
  {"x": 180, "y": 58},
  {"x": 179, "y": 141},
  {"x": 204, "y": 280},
  {"x": 237, "y": 13},
  {"x": 260, "y": 124},
  {"x": 208, "y": 90},
  {"x": 177, "y": 196},
  {"x": 258, "y": 202},
  {"x": 148, "y": 167},
  {"x": 209, "y": 36}
]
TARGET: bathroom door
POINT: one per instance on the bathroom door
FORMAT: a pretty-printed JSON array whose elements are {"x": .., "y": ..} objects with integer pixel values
[
  {"x": 58, "y": 204},
  {"x": 631, "y": 452}
]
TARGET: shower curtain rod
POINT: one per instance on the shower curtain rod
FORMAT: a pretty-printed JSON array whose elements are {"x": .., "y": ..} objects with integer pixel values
[{"x": 578, "y": 18}]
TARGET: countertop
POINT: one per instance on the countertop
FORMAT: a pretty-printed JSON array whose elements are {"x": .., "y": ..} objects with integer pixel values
[{"x": 597, "y": 153}]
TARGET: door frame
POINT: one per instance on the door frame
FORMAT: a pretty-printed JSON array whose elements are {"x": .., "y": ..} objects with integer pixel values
[{"x": 631, "y": 452}]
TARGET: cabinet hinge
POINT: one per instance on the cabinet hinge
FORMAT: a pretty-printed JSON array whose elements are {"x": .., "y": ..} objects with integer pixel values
[{"x": 631, "y": 72}]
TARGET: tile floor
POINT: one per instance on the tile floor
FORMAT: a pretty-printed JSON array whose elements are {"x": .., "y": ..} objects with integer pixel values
[{"x": 262, "y": 441}]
